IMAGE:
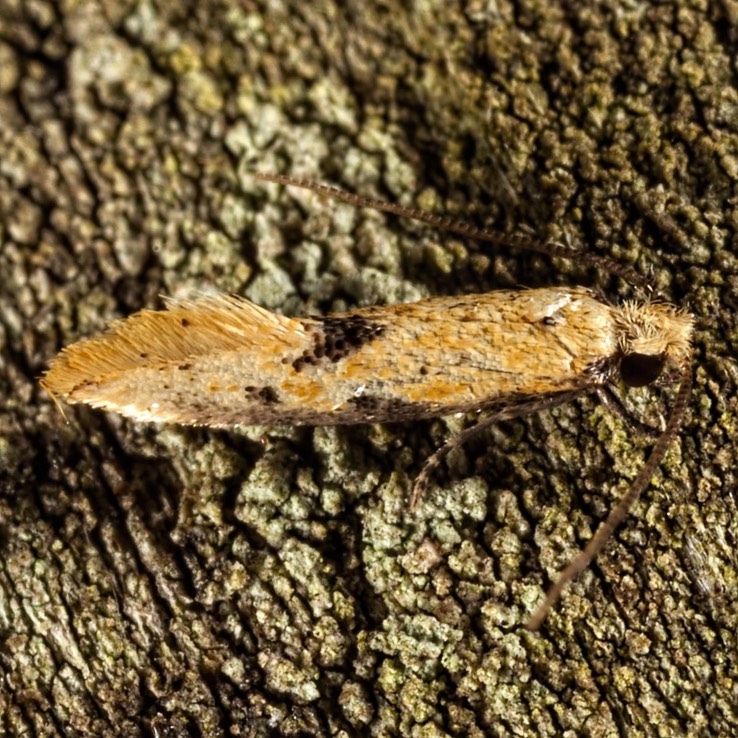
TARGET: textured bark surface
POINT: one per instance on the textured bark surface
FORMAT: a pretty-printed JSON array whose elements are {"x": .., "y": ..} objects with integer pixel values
[{"x": 164, "y": 581}]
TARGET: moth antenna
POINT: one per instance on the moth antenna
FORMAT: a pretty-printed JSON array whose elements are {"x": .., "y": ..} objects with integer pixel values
[
  {"x": 621, "y": 510},
  {"x": 462, "y": 228},
  {"x": 551, "y": 248}
]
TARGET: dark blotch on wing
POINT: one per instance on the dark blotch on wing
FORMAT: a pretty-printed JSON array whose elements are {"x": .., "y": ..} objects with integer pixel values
[
  {"x": 265, "y": 395},
  {"x": 373, "y": 409},
  {"x": 337, "y": 337}
]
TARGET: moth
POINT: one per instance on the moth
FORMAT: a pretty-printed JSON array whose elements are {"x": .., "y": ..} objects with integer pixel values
[{"x": 222, "y": 361}]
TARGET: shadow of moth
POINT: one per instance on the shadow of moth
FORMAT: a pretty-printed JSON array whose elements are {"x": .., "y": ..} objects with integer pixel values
[{"x": 222, "y": 361}]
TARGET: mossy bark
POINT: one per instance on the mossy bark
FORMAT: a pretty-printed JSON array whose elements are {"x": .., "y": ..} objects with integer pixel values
[{"x": 170, "y": 581}]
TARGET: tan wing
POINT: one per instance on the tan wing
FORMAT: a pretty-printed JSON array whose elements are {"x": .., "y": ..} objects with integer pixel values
[
  {"x": 223, "y": 361},
  {"x": 164, "y": 365}
]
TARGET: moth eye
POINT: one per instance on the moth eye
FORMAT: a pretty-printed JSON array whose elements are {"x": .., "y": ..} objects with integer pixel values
[{"x": 638, "y": 370}]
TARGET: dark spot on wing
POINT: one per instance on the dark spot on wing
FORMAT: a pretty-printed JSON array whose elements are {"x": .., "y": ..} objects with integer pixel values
[
  {"x": 264, "y": 395},
  {"x": 375, "y": 409},
  {"x": 336, "y": 337}
]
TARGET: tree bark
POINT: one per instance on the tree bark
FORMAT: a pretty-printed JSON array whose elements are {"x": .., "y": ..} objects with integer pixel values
[{"x": 167, "y": 581}]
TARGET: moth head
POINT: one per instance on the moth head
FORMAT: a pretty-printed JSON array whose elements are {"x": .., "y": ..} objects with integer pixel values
[{"x": 654, "y": 337}]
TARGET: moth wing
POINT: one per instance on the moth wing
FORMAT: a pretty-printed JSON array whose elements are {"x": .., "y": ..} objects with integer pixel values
[{"x": 138, "y": 360}]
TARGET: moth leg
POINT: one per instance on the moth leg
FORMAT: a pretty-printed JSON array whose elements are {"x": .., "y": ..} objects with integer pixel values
[
  {"x": 508, "y": 413},
  {"x": 613, "y": 403}
]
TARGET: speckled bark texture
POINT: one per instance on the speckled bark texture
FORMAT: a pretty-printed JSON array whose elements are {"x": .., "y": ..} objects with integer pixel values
[{"x": 163, "y": 581}]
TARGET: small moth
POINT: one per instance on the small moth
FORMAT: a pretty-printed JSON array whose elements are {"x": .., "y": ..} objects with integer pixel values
[{"x": 221, "y": 361}]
